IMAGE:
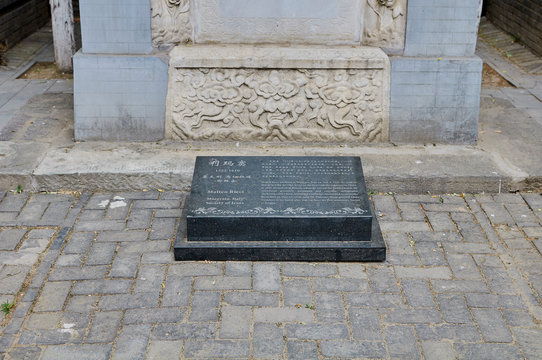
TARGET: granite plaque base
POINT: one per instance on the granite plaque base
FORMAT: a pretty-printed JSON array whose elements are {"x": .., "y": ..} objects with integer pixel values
[{"x": 279, "y": 209}]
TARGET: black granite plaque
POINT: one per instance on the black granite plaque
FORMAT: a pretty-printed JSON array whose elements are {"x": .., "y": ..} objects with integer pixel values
[{"x": 263, "y": 208}]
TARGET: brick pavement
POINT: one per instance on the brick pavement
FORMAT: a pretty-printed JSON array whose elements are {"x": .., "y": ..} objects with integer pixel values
[{"x": 93, "y": 277}]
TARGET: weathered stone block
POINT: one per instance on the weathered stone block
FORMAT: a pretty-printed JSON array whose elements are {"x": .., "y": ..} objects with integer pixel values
[{"x": 278, "y": 93}]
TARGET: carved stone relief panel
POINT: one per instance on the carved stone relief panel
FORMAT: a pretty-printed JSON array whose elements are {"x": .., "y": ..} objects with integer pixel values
[
  {"x": 277, "y": 104},
  {"x": 170, "y": 22},
  {"x": 385, "y": 23}
]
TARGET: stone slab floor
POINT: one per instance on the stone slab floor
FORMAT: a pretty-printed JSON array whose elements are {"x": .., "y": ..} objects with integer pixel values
[{"x": 93, "y": 277}]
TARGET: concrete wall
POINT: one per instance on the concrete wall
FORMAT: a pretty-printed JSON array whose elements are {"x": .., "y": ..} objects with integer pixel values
[
  {"x": 116, "y": 26},
  {"x": 521, "y": 18},
  {"x": 119, "y": 89},
  {"x": 435, "y": 86},
  {"x": 119, "y": 97},
  {"x": 435, "y": 101}
]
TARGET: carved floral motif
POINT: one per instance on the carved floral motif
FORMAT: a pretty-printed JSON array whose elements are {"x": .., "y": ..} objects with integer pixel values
[
  {"x": 170, "y": 22},
  {"x": 288, "y": 105}
]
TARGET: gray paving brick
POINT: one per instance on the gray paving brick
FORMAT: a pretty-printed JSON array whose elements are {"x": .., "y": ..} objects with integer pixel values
[
  {"x": 530, "y": 342},
  {"x": 411, "y": 316},
  {"x": 351, "y": 271},
  {"x": 386, "y": 208},
  {"x": 139, "y": 219},
  {"x": 49, "y": 337},
  {"x": 492, "y": 325},
  {"x": 404, "y": 226},
  {"x": 496, "y": 213},
  {"x": 252, "y": 299},
  {"x": 5, "y": 342},
  {"x": 91, "y": 215},
  {"x": 442, "y": 286},
  {"x": 100, "y": 225},
  {"x": 441, "y": 236},
  {"x": 81, "y": 303},
  {"x": 128, "y": 301},
  {"x": 87, "y": 352},
  {"x": 436, "y": 350},
  {"x": 328, "y": 300},
  {"x": 463, "y": 266},
  {"x": 101, "y": 286},
  {"x": 118, "y": 210},
  {"x": 467, "y": 248},
  {"x": 365, "y": 324},
  {"x": 454, "y": 308},
  {"x": 26, "y": 353},
  {"x": 297, "y": 291},
  {"x": 471, "y": 232},
  {"x": 301, "y": 350},
  {"x": 78, "y": 273},
  {"x": 316, "y": 331},
  {"x": 154, "y": 315},
  {"x": 14, "y": 326},
  {"x": 433, "y": 272},
  {"x": 165, "y": 350},
  {"x": 518, "y": 318},
  {"x": 124, "y": 266},
  {"x": 418, "y": 293},
  {"x": 56, "y": 212},
  {"x": 32, "y": 211},
  {"x": 383, "y": 280},
  {"x": 53, "y": 295},
  {"x": 184, "y": 331},
  {"x": 374, "y": 300},
  {"x": 353, "y": 349},
  {"x": 69, "y": 260},
  {"x": 311, "y": 269},
  {"x": 281, "y": 314},
  {"x": 410, "y": 211},
  {"x": 487, "y": 351},
  {"x": 440, "y": 221},
  {"x": 177, "y": 291},
  {"x": 150, "y": 278},
  {"x": 402, "y": 343},
  {"x": 10, "y": 238},
  {"x": 97, "y": 201},
  {"x": 105, "y": 326},
  {"x": 127, "y": 235},
  {"x": 456, "y": 332},
  {"x": 163, "y": 228},
  {"x": 267, "y": 341},
  {"x": 238, "y": 268},
  {"x": 12, "y": 277},
  {"x": 498, "y": 281},
  {"x": 205, "y": 306},
  {"x": 167, "y": 213},
  {"x": 216, "y": 348},
  {"x": 399, "y": 243},
  {"x": 78, "y": 243},
  {"x": 157, "y": 204},
  {"x": 101, "y": 254},
  {"x": 222, "y": 283},
  {"x": 139, "y": 248},
  {"x": 430, "y": 254},
  {"x": 132, "y": 342},
  {"x": 195, "y": 269},
  {"x": 235, "y": 322},
  {"x": 266, "y": 277},
  {"x": 324, "y": 315},
  {"x": 334, "y": 284},
  {"x": 13, "y": 202},
  {"x": 157, "y": 257}
]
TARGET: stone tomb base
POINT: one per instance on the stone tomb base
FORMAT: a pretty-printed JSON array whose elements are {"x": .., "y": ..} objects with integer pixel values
[
  {"x": 259, "y": 93},
  {"x": 279, "y": 209}
]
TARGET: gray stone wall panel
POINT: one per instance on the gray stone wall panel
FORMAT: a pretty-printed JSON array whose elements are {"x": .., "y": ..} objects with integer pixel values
[
  {"x": 435, "y": 101},
  {"x": 118, "y": 97}
]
